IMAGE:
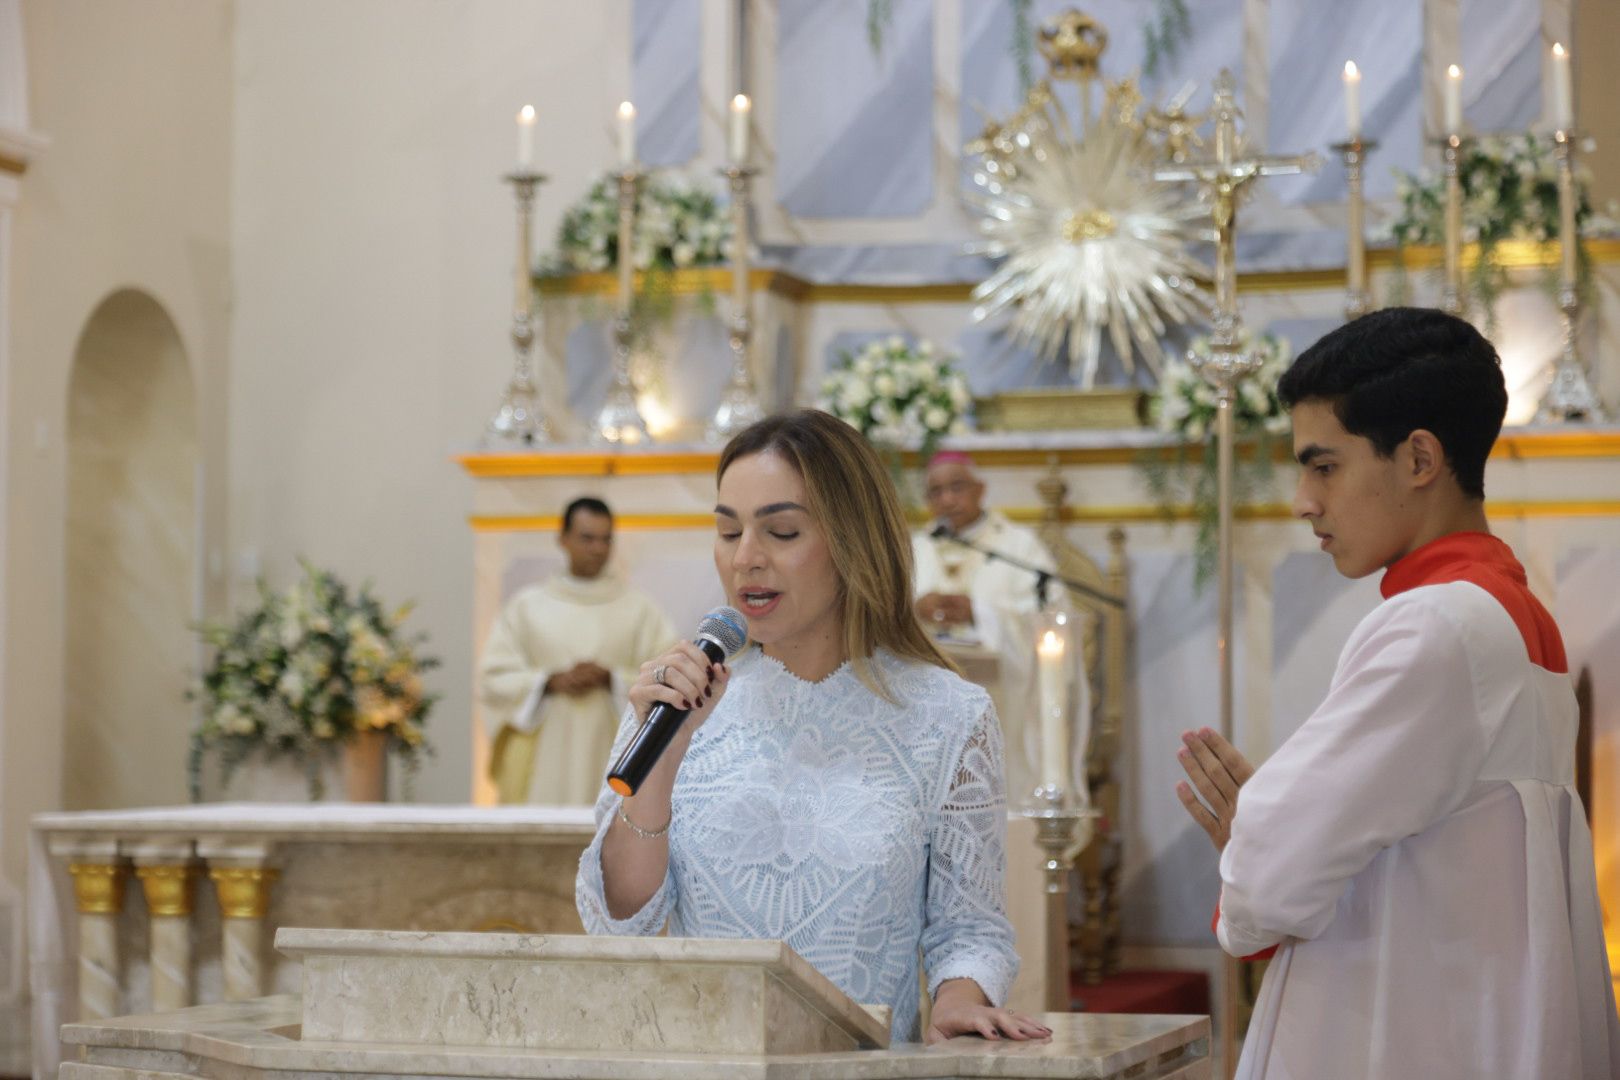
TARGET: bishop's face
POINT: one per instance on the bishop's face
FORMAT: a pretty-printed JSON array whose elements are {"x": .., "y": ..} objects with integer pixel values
[
  {"x": 1351, "y": 497},
  {"x": 955, "y": 496}
]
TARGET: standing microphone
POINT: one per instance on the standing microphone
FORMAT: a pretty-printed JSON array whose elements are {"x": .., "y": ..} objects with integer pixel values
[
  {"x": 939, "y": 532},
  {"x": 720, "y": 635}
]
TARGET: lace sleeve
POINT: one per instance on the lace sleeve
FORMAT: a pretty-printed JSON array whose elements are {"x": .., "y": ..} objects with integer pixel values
[
  {"x": 589, "y": 895},
  {"x": 967, "y": 934}
]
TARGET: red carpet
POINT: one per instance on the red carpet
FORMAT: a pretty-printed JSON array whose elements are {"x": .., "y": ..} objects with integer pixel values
[{"x": 1162, "y": 992}]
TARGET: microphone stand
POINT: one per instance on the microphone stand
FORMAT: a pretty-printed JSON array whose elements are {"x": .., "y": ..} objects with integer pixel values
[{"x": 1043, "y": 578}]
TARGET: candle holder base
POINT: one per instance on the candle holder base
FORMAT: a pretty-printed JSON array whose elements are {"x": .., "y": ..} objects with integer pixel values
[
  {"x": 1570, "y": 398},
  {"x": 619, "y": 422}
]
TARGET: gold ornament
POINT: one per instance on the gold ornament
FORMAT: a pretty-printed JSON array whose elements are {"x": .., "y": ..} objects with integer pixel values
[
  {"x": 1090, "y": 240},
  {"x": 98, "y": 888},
  {"x": 168, "y": 888},
  {"x": 244, "y": 892}
]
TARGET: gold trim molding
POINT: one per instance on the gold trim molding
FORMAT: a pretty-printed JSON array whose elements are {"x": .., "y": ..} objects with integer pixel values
[
  {"x": 168, "y": 888},
  {"x": 98, "y": 888},
  {"x": 1513, "y": 255},
  {"x": 1136, "y": 514},
  {"x": 591, "y": 463},
  {"x": 244, "y": 891}
]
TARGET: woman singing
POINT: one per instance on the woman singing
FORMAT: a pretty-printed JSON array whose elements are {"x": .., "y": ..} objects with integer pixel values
[{"x": 839, "y": 787}]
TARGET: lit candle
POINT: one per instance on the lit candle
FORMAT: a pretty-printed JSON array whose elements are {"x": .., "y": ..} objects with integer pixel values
[
  {"x": 525, "y": 122},
  {"x": 1563, "y": 94},
  {"x": 1352, "y": 99},
  {"x": 627, "y": 136},
  {"x": 1053, "y": 684},
  {"x": 1453, "y": 99},
  {"x": 737, "y": 145}
]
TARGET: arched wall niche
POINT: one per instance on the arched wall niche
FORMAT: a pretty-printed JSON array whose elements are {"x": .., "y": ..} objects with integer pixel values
[{"x": 130, "y": 559}]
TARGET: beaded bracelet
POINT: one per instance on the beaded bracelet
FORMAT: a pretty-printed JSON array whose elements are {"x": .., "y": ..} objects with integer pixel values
[{"x": 638, "y": 830}]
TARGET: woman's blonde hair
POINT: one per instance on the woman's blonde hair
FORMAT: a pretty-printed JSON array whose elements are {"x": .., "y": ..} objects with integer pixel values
[{"x": 854, "y": 502}]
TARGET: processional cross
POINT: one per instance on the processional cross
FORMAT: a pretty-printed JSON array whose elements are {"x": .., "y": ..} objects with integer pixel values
[{"x": 1224, "y": 179}]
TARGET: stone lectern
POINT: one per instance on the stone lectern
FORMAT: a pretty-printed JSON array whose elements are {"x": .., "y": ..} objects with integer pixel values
[
  {"x": 382, "y": 1005},
  {"x": 571, "y": 992}
]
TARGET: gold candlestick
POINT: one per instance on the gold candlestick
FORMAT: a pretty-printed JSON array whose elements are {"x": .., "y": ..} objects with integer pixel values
[
  {"x": 739, "y": 402},
  {"x": 1451, "y": 146},
  {"x": 1569, "y": 397},
  {"x": 519, "y": 420},
  {"x": 1357, "y": 300},
  {"x": 620, "y": 421}
]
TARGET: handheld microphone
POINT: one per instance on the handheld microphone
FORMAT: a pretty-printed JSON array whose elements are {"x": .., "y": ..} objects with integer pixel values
[{"x": 720, "y": 635}]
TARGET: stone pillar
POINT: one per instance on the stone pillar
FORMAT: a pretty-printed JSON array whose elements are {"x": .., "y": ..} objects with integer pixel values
[
  {"x": 98, "y": 893},
  {"x": 167, "y": 876},
  {"x": 242, "y": 876}
]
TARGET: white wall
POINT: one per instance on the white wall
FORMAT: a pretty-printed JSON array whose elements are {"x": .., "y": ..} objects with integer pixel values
[
  {"x": 136, "y": 102},
  {"x": 373, "y": 249}
]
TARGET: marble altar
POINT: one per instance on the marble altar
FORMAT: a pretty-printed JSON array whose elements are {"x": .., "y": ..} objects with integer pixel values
[{"x": 98, "y": 946}]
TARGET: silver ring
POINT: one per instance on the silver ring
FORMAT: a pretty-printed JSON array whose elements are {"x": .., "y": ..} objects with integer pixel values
[{"x": 659, "y": 673}]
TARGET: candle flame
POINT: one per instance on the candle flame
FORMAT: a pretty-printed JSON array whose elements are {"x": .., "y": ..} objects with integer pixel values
[
  {"x": 1351, "y": 72},
  {"x": 740, "y": 103},
  {"x": 1454, "y": 71},
  {"x": 1051, "y": 644},
  {"x": 1558, "y": 49},
  {"x": 526, "y": 114},
  {"x": 627, "y": 110}
]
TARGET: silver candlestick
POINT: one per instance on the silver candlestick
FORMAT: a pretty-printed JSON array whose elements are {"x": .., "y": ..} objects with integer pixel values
[
  {"x": 739, "y": 402},
  {"x": 519, "y": 421},
  {"x": 1570, "y": 397},
  {"x": 1060, "y": 830},
  {"x": 1451, "y": 147},
  {"x": 1357, "y": 300},
  {"x": 620, "y": 420}
]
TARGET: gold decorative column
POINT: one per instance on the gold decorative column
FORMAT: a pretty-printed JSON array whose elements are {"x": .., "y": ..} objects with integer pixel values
[
  {"x": 242, "y": 879},
  {"x": 98, "y": 893},
  {"x": 168, "y": 878}
]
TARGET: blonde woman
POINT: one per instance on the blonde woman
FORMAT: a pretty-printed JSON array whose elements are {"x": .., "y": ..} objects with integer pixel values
[{"x": 838, "y": 786}]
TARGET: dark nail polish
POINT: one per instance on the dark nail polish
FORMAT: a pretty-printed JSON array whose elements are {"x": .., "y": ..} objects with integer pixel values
[{"x": 687, "y": 705}]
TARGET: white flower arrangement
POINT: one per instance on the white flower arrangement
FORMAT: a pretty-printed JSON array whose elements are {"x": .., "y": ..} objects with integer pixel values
[
  {"x": 899, "y": 394},
  {"x": 309, "y": 667},
  {"x": 1185, "y": 406},
  {"x": 1185, "y": 402},
  {"x": 680, "y": 222}
]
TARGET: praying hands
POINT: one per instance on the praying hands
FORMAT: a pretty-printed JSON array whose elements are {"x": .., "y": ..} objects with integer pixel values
[{"x": 1217, "y": 770}]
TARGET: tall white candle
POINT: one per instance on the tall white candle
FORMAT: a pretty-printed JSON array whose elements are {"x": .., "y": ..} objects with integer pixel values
[
  {"x": 1453, "y": 99},
  {"x": 737, "y": 145},
  {"x": 1352, "y": 100},
  {"x": 1053, "y": 683},
  {"x": 627, "y": 136},
  {"x": 525, "y": 122},
  {"x": 1563, "y": 92}
]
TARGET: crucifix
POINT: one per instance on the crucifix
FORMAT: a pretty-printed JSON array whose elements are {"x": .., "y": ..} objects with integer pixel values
[{"x": 1225, "y": 178}]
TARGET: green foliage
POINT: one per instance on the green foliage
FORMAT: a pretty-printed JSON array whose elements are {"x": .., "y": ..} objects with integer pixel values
[
  {"x": 1185, "y": 405},
  {"x": 1164, "y": 34}
]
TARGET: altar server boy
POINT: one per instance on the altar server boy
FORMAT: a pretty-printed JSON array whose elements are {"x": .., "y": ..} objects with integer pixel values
[{"x": 1416, "y": 852}]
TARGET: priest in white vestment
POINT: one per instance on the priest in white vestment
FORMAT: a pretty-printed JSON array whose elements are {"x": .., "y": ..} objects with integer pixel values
[
  {"x": 1416, "y": 852},
  {"x": 962, "y": 592},
  {"x": 556, "y": 665}
]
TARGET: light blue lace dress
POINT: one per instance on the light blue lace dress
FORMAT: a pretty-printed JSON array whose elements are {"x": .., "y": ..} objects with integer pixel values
[{"x": 851, "y": 828}]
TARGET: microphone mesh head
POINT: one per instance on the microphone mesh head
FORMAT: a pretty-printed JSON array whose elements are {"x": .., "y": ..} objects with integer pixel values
[{"x": 726, "y": 627}]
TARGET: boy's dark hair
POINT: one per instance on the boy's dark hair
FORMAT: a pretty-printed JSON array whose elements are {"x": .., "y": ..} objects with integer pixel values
[
  {"x": 1391, "y": 372},
  {"x": 590, "y": 505}
]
